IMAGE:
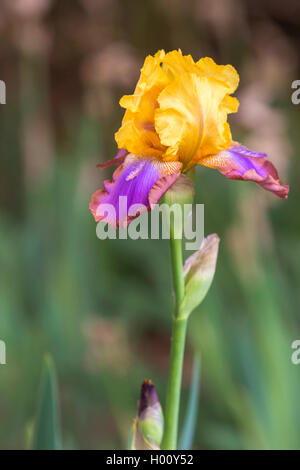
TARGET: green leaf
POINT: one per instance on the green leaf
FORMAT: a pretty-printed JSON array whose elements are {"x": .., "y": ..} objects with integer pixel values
[
  {"x": 46, "y": 432},
  {"x": 130, "y": 443},
  {"x": 199, "y": 270},
  {"x": 187, "y": 437}
]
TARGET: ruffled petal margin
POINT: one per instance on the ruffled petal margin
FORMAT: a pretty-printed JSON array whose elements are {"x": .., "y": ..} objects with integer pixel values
[
  {"x": 240, "y": 163},
  {"x": 136, "y": 186},
  {"x": 117, "y": 160}
]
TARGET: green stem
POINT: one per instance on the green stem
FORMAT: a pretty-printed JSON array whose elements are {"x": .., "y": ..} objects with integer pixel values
[
  {"x": 177, "y": 270},
  {"x": 177, "y": 351}
]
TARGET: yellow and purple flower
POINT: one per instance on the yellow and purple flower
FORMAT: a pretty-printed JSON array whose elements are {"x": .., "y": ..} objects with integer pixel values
[{"x": 176, "y": 119}]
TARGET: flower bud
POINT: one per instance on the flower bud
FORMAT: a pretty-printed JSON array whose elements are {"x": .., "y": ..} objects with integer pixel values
[
  {"x": 181, "y": 192},
  {"x": 147, "y": 429},
  {"x": 199, "y": 270}
]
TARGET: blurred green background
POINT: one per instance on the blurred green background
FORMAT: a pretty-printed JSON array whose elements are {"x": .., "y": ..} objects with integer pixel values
[{"x": 102, "y": 308}]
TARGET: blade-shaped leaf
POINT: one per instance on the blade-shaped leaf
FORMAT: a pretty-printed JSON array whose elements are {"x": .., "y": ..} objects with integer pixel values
[
  {"x": 46, "y": 432},
  {"x": 130, "y": 443},
  {"x": 189, "y": 427}
]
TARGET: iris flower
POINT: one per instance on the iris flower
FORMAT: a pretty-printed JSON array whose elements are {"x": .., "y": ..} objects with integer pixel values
[{"x": 176, "y": 119}]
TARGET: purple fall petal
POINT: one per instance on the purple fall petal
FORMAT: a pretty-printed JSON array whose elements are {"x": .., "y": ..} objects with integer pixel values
[
  {"x": 240, "y": 163},
  {"x": 117, "y": 160},
  {"x": 135, "y": 179}
]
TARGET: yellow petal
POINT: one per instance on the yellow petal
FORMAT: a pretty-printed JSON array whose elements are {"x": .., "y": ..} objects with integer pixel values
[
  {"x": 230, "y": 104},
  {"x": 152, "y": 78},
  {"x": 137, "y": 133},
  {"x": 192, "y": 118},
  {"x": 139, "y": 141},
  {"x": 223, "y": 73},
  {"x": 174, "y": 64}
]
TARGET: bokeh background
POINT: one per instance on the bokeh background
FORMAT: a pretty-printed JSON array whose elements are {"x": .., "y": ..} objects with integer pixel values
[{"x": 102, "y": 308}]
